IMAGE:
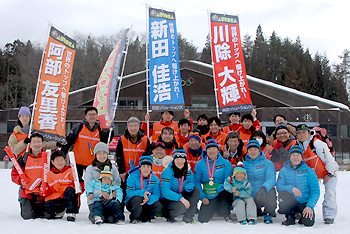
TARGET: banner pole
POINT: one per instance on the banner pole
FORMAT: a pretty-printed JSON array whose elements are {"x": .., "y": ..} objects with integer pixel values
[
  {"x": 118, "y": 91},
  {"x": 147, "y": 78},
  {"x": 212, "y": 63},
  {"x": 37, "y": 84}
]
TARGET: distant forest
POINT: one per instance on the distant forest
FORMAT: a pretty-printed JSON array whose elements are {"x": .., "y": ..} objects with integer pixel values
[{"x": 282, "y": 61}]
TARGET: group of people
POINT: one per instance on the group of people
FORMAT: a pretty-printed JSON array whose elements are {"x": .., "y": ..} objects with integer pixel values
[{"x": 168, "y": 173}]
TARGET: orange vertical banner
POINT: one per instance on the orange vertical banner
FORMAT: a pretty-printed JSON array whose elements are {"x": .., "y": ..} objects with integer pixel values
[{"x": 53, "y": 88}]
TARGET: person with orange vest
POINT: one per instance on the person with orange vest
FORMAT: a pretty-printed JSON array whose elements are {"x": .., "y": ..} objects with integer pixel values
[
  {"x": 317, "y": 156},
  {"x": 215, "y": 132},
  {"x": 235, "y": 117},
  {"x": 84, "y": 136},
  {"x": 166, "y": 121},
  {"x": 160, "y": 160},
  {"x": 61, "y": 197},
  {"x": 19, "y": 140},
  {"x": 32, "y": 203},
  {"x": 233, "y": 150},
  {"x": 194, "y": 148},
  {"x": 284, "y": 140},
  {"x": 247, "y": 128},
  {"x": 281, "y": 119},
  {"x": 168, "y": 138},
  {"x": 131, "y": 146},
  {"x": 184, "y": 128}
]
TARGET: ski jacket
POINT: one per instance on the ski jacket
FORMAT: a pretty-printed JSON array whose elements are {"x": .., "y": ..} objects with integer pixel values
[
  {"x": 281, "y": 155},
  {"x": 58, "y": 182},
  {"x": 150, "y": 184},
  {"x": 317, "y": 156},
  {"x": 94, "y": 185},
  {"x": 245, "y": 134},
  {"x": 223, "y": 169},
  {"x": 238, "y": 156},
  {"x": 82, "y": 134},
  {"x": 169, "y": 147},
  {"x": 157, "y": 128},
  {"x": 157, "y": 167},
  {"x": 220, "y": 138},
  {"x": 171, "y": 188},
  {"x": 304, "y": 179},
  {"x": 261, "y": 173},
  {"x": 193, "y": 156},
  {"x": 235, "y": 127},
  {"x": 181, "y": 140},
  {"x": 93, "y": 173},
  {"x": 128, "y": 154},
  {"x": 244, "y": 187}
]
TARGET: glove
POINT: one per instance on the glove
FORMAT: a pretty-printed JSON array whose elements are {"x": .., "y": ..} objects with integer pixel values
[
  {"x": 27, "y": 140},
  {"x": 104, "y": 201},
  {"x": 278, "y": 145},
  {"x": 275, "y": 157},
  {"x": 260, "y": 195}
]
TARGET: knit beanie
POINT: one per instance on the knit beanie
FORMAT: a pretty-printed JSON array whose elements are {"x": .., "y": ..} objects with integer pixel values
[
  {"x": 180, "y": 153},
  {"x": 24, "y": 110},
  {"x": 211, "y": 143},
  {"x": 195, "y": 135},
  {"x": 106, "y": 173},
  {"x": 239, "y": 167},
  {"x": 147, "y": 160},
  {"x": 101, "y": 147},
  {"x": 296, "y": 149},
  {"x": 281, "y": 126},
  {"x": 253, "y": 143}
]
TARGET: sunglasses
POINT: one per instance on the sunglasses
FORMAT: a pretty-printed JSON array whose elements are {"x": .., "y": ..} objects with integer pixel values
[{"x": 180, "y": 155}]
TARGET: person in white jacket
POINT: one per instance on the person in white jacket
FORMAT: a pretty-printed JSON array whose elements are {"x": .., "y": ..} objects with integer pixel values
[{"x": 317, "y": 156}]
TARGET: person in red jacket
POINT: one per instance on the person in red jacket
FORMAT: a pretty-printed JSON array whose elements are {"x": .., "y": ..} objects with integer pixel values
[
  {"x": 194, "y": 149},
  {"x": 31, "y": 202},
  {"x": 184, "y": 128},
  {"x": 160, "y": 160},
  {"x": 247, "y": 128},
  {"x": 233, "y": 149},
  {"x": 215, "y": 132},
  {"x": 61, "y": 197},
  {"x": 168, "y": 138},
  {"x": 235, "y": 117}
]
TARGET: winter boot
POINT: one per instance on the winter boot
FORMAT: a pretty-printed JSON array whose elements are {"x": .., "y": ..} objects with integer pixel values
[
  {"x": 71, "y": 217},
  {"x": 98, "y": 220},
  {"x": 328, "y": 221},
  {"x": 289, "y": 221}
]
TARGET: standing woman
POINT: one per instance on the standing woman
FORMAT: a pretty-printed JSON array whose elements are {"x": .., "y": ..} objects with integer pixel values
[
  {"x": 93, "y": 172},
  {"x": 179, "y": 196},
  {"x": 19, "y": 138}
]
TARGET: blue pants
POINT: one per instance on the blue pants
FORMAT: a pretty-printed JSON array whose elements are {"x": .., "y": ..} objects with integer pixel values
[{"x": 112, "y": 210}]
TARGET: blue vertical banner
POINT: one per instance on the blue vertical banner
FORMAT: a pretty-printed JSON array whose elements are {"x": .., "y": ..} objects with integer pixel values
[{"x": 164, "y": 68}]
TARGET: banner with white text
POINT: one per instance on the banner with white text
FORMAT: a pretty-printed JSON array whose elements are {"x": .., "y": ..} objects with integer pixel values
[
  {"x": 229, "y": 69},
  {"x": 53, "y": 90},
  {"x": 164, "y": 68}
]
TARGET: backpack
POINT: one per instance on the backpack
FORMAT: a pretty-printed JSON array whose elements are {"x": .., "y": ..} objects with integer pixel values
[{"x": 321, "y": 134}]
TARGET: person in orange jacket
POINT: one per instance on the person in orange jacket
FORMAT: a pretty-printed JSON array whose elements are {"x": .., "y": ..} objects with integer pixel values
[
  {"x": 31, "y": 202},
  {"x": 168, "y": 138},
  {"x": 194, "y": 148},
  {"x": 160, "y": 160},
  {"x": 215, "y": 132},
  {"x": 184, "y": 128},
  {"x": 61, "y": 197},
  {"x": 247, "y": 128},
  {"x": 235, "y": 117},
  {"x": 233, "y": 150}
]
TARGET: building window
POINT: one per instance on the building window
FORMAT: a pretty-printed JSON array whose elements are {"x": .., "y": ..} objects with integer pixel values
[
  {"x": 130, "y": 103},
  {"x": 331, "y": 129},
  {"x": 120, "y": 129},
  {"x": 344, "y": 131},
  {"x": 203, "y": 101}
]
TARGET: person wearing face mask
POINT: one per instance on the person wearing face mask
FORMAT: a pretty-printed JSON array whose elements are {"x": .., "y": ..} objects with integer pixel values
[
  {"x": 202, "y": 124},
  {"x": 234, "y": 149},
  {"x": 264, "y": 147},
  {"x": 281, "y": 146}
]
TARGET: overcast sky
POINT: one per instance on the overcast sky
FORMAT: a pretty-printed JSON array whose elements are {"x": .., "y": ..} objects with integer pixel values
[{"x": 322, "y": 25}]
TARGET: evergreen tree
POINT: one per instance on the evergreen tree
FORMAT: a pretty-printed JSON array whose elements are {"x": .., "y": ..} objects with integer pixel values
[{"x": 205, "y": 56}]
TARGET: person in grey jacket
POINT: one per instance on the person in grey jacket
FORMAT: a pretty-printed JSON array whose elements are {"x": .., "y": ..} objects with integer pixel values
[{"x": 93, "y": 172}]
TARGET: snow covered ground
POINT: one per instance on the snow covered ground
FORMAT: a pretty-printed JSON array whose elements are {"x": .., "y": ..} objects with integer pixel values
[{"x": 11, "y": 221}]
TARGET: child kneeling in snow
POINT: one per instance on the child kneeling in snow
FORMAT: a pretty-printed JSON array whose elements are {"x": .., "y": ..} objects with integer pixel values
[
  {"x": 106, "y": 206},
  {"x": 243, "y": 202},
  {"x": 61, "y": 197}
]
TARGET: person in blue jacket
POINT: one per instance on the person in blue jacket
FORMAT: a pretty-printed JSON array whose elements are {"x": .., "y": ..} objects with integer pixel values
[
  {"x": 298, "y": 189},
  {"x": 179, "y": 196},
  {"x": 102, "y": 206},
  {"x": 143, "y": 192},
  {"x": 262, "y": 176},
  {"x": 211, "y": 172}
]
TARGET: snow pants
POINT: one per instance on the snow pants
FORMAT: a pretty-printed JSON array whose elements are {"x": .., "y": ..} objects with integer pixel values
[
  {"x": 269, "y": 203},
  {"x": 68, "y": 202},
  {"x": 110, "y": 212},
  {"x": 34, "y": 207},
  {"x": 142, "y": 213},
  {"x": 289, "y": 206},
  {"x": 220, "y": 204},
  {"x": 329, "y": 205},
  {"x": 245, "y": 209},
  {"x": 172, "y": 209}
]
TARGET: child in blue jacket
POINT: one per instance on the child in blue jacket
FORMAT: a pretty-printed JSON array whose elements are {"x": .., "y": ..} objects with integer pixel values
[
  {"x": 106, "y": 206},
  {"x": 143, "y": 192},
  {"x": 243, "y": 202},
  {"x": 179, "y": 196},
  {"x": 298, "y": 189}
]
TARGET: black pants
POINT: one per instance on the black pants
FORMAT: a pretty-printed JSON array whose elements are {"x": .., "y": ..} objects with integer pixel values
[
  {"x": 80, "y": 171},
  {"x": 172, "y": 209},
  {"x": 269, "y": 203},
  {"x": 112, "y": 211},
  {"x": 123, "y": 186},
  {"x": 220, "y": 204},
  {"x": 289, "y": 206},
  {"x": 69, "y": 202},
  {"x": 33, "y": 208},
  {"x": 142, "y": 213}
]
